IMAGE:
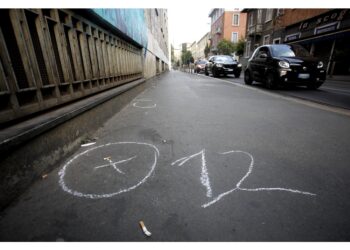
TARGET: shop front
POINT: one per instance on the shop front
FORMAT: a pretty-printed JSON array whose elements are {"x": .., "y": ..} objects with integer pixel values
[{"x": 327, "y": 37}]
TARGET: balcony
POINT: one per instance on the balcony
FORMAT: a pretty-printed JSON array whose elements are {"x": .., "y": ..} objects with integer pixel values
[{"x": 255, "y": 30}]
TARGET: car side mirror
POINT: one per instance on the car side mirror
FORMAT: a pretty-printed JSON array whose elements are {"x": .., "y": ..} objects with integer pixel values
[{"x": 263, "y": 55}]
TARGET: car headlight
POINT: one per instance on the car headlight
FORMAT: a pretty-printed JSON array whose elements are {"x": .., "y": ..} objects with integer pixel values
[
  {"x": 320, "y": 65},
  {"x": 283, "y": 64},
  {"x": 239, "y": 65},
  {"x": 219, "y": 65}
]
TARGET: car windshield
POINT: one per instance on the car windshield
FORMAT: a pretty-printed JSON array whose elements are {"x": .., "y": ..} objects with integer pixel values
[
  {"x": 289, "y": 51},
  {"x": 224, "y": 59}
]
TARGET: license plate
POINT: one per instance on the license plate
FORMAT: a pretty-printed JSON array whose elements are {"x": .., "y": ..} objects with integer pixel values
[
  {"x": 304, "y": 76},
  {"x": 229, "y": 69}
]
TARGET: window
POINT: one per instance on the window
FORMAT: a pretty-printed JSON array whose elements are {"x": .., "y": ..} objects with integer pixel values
[
  {"x": 287, "y": 50},
  {"x": 247, "y": 49},
  {"x": 268, "y": 16},
  {"x": 259, "y": 16},
  {"x": 276, "y": 41},
  {"x": 250, "y": 19},
  {"x": 266, "y": 39},
  {"x": 280, "y": 12},
  {"x": 234, "y": 37},
  {"x": 261, "y": 51},
  {"x": 235, "y": 20}
]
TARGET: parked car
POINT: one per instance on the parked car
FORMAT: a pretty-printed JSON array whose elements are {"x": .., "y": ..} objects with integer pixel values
[
  {"x": 223, "y": 65},
  {"x": 284, "y": 64},
  {"x": 199, "y": 65}
]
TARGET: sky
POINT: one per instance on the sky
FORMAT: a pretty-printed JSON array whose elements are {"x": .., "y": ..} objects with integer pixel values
[{"x": 187, "y": 25}]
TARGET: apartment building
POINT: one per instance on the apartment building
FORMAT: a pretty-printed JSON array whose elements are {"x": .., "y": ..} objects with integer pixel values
[
  {"x": 324, "y": 32},
  {"x": 226, "y": 24},
  {"x": 201, "y": 44},
  {"x": 326, "y": 36}
]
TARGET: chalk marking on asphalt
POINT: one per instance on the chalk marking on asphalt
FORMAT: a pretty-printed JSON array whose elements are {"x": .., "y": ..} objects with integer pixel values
[
  {"x": 238, "y": 185},
  {"x": 136, "y": 104},
  {"x": 204, "y": 173},
  {"x": 114, "y": 164},
  {"x": 62, "y": 172},
  {"x": 298, "y": 100}
]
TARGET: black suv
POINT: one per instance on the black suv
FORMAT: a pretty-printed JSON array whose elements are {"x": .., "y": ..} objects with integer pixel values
[
  {"x": 221, "y": 64},
  {"x": 284, "y": 64}
]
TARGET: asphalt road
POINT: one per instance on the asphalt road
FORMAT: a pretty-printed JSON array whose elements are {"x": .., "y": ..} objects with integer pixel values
[
  {"x": 198, "y": 159},
  {"x": 333, "y": 93}
]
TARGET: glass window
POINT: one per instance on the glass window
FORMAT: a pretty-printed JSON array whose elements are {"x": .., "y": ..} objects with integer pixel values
[
  {"x": 250, "y": 19},
  {"x": 235, "y": 19},
  {"x": 234, "y": 37},
  {"x": 247, "y": 49},
  {"x": 286, "y": 50},
  {"x": 263, "y": 50},
  {"x": 266, "y": 40},
  {"x": 268, "y": 15},
  {"x": 224, "y": 59},
  {"x": 277, "y": 41},
  {"x": 259, "y": 15}
]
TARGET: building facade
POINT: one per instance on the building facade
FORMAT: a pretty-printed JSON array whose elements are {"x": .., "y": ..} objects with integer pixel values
[
  {"x": 226, "y": 24},
  {"x": 194, "y": 50},
  {"x": 324, "y": 32},
  {"x": 262, "y": 28},
  {"x": 201, "y": 44},
  {"x": 326, "y": 36}
]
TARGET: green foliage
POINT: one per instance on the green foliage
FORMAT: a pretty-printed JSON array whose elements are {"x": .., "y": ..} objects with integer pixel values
[
  {"x": 186, "y": 57},
  {"x": 239, "y": 47},
  {"x": 172, "y": 54},
  {"x": 225, "y": 47},
  {"x": 206, "y": 50}
]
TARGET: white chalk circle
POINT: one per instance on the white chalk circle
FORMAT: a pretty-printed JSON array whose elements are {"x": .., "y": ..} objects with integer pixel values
[
  {"x": 118, "y": 173},
  {"x": 142, "y": 103}
]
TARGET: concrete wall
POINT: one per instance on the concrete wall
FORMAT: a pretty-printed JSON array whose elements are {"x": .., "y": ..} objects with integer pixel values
[{"x": 148, "y": 27}]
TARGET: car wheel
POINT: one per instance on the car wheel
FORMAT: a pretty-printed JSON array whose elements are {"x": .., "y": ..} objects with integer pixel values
[
  {"x": 270, "y": 81},
  {"x": 237, "y": 75},
  {"x": 247, "y": 77},
  {"x": 206, "y": 72},
  {"x": 314, "y": 86}
]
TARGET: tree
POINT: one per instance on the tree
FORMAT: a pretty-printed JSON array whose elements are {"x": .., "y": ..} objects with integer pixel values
[
  {"x": 225, "y": 47},
  {"x": 239, "y": 47},
  {"x": 172, "y": 54},
  {"x": 206, "y": 50},
  {"x": 186, "y": 57}
]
